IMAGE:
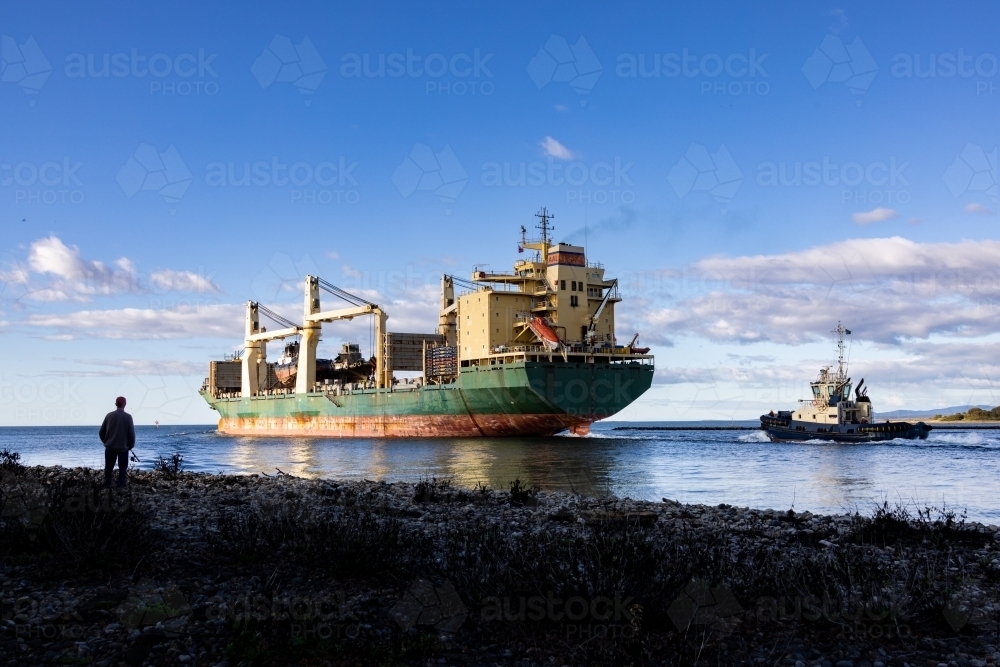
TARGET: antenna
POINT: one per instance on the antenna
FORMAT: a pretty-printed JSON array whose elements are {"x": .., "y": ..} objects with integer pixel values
[
  {"x": 544, "y": 226},
  {"x": 840, "y": 330}
]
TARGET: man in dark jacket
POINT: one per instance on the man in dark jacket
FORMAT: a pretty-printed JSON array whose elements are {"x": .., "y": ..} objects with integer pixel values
[{"x": 118, "y": 436}]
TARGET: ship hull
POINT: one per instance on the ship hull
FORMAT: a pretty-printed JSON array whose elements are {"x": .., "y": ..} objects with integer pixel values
[
  {"x": 795, "y": 431},
  {"x": 518, "y": 399}
]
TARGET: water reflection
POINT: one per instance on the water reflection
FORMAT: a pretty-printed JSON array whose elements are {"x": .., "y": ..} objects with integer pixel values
[{"x": 957, "y": 469}]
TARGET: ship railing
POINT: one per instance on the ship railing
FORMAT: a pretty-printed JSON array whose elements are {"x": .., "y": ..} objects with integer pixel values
[
  {"x": 616, "y": 351},
  {"x": 487, "y": 288},
  {"x": 486, "y": 275}
]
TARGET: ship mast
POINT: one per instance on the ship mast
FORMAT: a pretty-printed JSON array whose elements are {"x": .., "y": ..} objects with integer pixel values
[
  {"x": 840, "y": 330},
  {"x": 544, "y": 216}
]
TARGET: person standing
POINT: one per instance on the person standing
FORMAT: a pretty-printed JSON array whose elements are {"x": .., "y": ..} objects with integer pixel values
[{"x": 118, "y": 435}]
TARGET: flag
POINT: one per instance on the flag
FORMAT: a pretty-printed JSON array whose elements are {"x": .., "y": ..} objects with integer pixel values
[{"x": 847, "y": 331}]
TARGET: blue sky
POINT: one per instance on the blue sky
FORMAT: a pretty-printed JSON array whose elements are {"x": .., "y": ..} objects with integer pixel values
[{"x": 131, "y": 232}]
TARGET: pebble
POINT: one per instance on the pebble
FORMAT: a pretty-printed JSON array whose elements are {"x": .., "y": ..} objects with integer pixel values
[{"x": 565, "y": 514}]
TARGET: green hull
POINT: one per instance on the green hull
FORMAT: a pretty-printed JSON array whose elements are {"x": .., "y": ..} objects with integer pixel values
[{"x": 522, "y": 398}]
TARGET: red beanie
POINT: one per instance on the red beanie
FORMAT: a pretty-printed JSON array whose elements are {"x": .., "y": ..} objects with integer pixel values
[{"x": 120, "y": 402}]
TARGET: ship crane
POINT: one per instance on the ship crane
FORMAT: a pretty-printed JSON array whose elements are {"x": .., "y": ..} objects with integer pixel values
[
  {"x": 592, "y": 327},
  {"x": 254, "y": 355},
  {"x": 312, "y": 321}
]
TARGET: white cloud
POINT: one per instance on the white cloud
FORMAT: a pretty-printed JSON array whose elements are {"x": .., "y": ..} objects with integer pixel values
[
  {"x": 886, "y": 289},
  {"x": 412, "y": 309},
  {"x": 127, "y": 367},
  {"x": 350, "y": 271},
  {"x": 55, "y": 272},
  {"x": 552, "y": 148},
  {"x": 977, "y": 208},
  {"x": 210, "y": 321},
  {"x": 182, "y": 281},
  {"x": 14, "y": 276},
  {"x": 878, "y": 214},
  {"x": 74, "y": 278},
  {"x": 922, "y": 375}
]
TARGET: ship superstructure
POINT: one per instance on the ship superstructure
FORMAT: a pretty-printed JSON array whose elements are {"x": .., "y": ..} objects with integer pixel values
[
  {"x": 529, "y": 352},
  {"x": 833, "y": 414}
]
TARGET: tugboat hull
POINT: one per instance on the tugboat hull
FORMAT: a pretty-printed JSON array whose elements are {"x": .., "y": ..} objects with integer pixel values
[{"x": 781, "y": 430}]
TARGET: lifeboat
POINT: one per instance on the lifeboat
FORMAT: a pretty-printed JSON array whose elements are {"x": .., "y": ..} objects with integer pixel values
[{"x": 545, "y": 334}]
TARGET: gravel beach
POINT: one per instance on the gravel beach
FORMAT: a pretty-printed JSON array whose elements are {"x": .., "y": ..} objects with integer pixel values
[{"x": 199, "y": 569}]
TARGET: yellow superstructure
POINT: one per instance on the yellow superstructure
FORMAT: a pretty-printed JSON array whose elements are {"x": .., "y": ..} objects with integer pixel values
[{"x": 557, "y": 285}]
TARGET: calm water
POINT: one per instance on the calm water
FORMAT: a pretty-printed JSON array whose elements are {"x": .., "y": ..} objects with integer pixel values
[{"x": 959, "y": 468}]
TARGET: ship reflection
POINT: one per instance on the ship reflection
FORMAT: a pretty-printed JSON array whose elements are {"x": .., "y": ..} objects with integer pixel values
[{"x": 580, "y": 465}]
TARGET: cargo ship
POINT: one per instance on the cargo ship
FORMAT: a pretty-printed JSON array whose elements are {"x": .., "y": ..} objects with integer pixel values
[
  {"x": 530, "y": 352},
  {"x": 833, "y": 414}
]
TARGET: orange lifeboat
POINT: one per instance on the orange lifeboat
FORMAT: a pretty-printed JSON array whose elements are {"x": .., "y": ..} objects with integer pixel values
[{"x": 544, "y": 332}]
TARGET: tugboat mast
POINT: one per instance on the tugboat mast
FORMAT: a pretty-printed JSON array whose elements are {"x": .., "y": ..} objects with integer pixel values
[{"x": 840, "y": 331}]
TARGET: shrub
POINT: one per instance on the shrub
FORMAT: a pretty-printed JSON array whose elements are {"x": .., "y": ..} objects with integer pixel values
[
  {"x": 522, "y": 495},
  {"x": 432, "y": 490},
  {"x": 169, "y": 466},
  {"x": 10, "y": 462}
]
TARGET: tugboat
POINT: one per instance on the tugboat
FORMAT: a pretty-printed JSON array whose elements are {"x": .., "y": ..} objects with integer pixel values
[{"x": 832, "y": 415}]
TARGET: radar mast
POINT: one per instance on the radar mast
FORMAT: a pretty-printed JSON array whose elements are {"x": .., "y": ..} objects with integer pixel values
[{"x": 840, "y": 331}]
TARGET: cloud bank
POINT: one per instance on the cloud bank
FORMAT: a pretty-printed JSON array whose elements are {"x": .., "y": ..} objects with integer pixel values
[{"x": 887, "y": 290}]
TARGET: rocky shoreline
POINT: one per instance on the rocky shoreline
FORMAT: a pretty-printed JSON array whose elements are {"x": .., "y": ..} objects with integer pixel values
[{"x": 198, "y": 569}]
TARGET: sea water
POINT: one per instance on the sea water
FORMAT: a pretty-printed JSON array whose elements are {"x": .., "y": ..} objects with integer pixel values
[{"x": 954, "y": 469}]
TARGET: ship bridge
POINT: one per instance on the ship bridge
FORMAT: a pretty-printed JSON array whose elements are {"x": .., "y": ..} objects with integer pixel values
[{"x": 498, "y": 317}]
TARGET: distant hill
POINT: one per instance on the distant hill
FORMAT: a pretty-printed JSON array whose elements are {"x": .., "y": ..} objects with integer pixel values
[{"x": 930, "y": 413}]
